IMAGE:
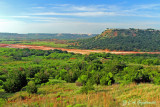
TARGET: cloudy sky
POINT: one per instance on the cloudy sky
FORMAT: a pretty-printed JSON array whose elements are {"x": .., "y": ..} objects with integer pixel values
[{"x": 77, "y": 16}]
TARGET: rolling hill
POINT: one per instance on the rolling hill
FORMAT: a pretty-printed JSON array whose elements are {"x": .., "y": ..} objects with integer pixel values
[
  {"x": 29, "y": 36},
  {"x": 124, "y": 40}
]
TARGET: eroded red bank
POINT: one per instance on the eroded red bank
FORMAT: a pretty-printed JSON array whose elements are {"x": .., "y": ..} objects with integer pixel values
[{"x": 73, "y": 50}]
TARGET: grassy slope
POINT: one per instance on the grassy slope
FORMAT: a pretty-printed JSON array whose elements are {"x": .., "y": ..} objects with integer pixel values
[{"x": 65, "y": 94}]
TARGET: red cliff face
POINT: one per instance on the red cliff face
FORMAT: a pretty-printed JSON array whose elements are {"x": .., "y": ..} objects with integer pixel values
[
  {"x": 107, "y": 33},
  {"x": 115, "y": 33},
  {"x": 134, "y": 34}
]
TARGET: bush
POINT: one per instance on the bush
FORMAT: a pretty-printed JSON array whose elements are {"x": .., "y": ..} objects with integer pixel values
[
  {"x": 83, "y": 79},
  {"x": 157, "y": 80},
  {"x": 107, "y": 80},
  {"x": 3, "y": 77},
  {"x": 2, "y": 102},
  {"x": 1, "y": 82},
  {"x": 41, "y": 77},
  {"x": 136, "y": 74},
  {"x": 16, "y": 80},
  {"x": 54, "y": 81},
  {"x": 88, "y": 87},
  {"x": 37, "y": 60},
  {"x": 31, "y": 87}
]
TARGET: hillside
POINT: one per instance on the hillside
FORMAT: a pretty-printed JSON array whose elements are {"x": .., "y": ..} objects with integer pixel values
[
  {"x": 29, "y": 36},
  {"x": 124, "y": 39},
  {"x": 55, "y": 78}
]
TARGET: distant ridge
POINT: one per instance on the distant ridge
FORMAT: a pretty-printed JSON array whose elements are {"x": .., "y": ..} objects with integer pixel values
[
  {"x": 29, "y": 36},
  {"x": 124, "y": 40}
]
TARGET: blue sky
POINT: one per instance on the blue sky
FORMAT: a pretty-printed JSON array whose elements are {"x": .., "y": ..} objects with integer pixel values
[{"x": 77, "y": 16}]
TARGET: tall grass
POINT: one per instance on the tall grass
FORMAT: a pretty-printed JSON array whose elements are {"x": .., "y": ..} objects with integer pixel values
[{"x": 67, "y": 94}]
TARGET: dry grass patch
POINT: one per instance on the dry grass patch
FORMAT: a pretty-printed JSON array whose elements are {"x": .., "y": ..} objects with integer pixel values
[{"x": 67, "y": 94}]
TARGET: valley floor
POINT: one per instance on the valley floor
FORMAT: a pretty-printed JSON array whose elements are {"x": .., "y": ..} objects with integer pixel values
[{"x": 73, "y": 50}]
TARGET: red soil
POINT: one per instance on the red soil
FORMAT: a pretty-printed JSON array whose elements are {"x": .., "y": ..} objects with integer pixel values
[
  {"x": 73, "y": 50},
  {"x": 115, "y": 33}
]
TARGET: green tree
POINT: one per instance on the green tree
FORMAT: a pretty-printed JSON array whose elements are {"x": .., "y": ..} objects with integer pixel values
[
  {"x": 107, "y": 80},
  {"x": 83, "y": 79},
  {"x": 15, "y": 81},
  {"x": 41, "y": 77}
]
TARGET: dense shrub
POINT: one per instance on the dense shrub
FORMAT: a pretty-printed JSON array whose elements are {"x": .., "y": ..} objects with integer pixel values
[
  {"x": 83, "y": 79},
  {"x": 1, "y": 82},
  {"x": 41, "y": 77},
  {"x": 104, "y": 69},
  {"x": 15, "y": 81},
  {"x": 54, "y": 81},
  {"x": 107, "y": 80},
  {"x": 135, "y": 74},
  {"x": 31, "y": 87},
  {"x": 3, "y": 77},
  {"x": 87, "y": 87},
  {"x": 157, "y": 80}
]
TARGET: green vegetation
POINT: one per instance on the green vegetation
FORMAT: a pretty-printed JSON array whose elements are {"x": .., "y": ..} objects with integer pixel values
[
  {"x": 31, "y": 87},
  {"x": 46, "y": 43},
  {"x": 14, "y": 81},
  {"x": 38, "y": 43},
  {"x": 59, "y": 78},
  {"x": 123, "y": 39}
]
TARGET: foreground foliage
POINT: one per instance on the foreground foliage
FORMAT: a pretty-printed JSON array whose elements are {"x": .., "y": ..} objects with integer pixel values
[{"x": 24, "y": 70}]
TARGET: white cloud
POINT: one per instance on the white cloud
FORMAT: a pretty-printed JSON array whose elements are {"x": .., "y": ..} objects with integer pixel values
[
  {"x": 38, "y": 7},
  {"x": 55, "y": 20},
  {"x": 102, "y": 10},
  {"x": 145, "y": 10},
  {"x": 18, "y": 16},
  {"x": 78, "y": 14},
  {"x": 68, "y": 26},
  {"x": 86, "y": 8},
  {"x": 90, "y": 8},
  {"x": 146, "y": 6}
]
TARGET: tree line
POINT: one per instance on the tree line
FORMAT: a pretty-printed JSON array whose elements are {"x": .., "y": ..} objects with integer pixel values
[{"x": 36, "y": 67}]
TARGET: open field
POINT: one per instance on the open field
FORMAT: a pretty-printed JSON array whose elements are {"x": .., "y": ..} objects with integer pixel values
[{"x": 73, "y": 50}]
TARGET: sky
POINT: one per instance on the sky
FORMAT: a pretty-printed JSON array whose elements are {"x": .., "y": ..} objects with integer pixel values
[{"x": 77, "y": 16}]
